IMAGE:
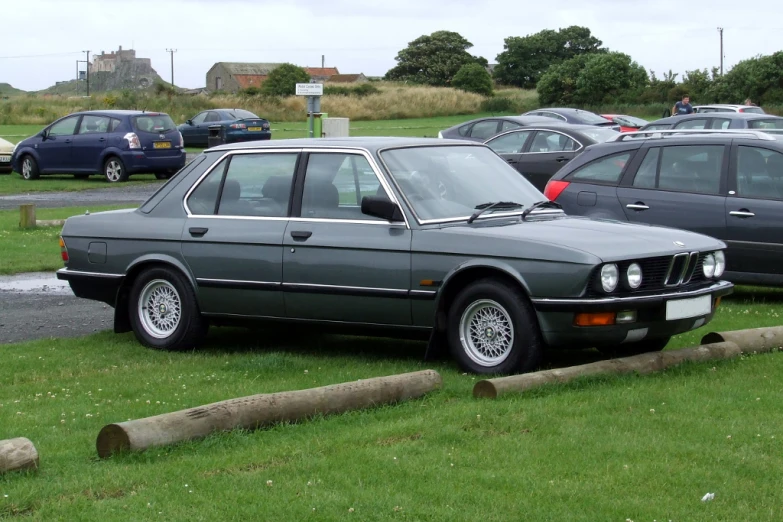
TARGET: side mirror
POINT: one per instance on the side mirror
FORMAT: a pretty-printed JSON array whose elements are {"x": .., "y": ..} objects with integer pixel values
[
  {"x": 381, "y": 207},
  {"x": 189, "y": 122},
  {"x": 43, "y": 134}
]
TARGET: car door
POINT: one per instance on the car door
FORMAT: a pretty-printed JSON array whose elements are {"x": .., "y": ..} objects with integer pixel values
[
  {"x": 754, "y": 211},
  {"x": 202, "y": 129},
  {"x": 339, "y": 264},
  {"x": 54, "y": 150},
  {"x": 233, "y": 237},
  {"x": 680, "y": 186},
  {"x": 510, "y": 145},
  {"x": 545, "y": 154},
  {"x": 89, "y": 142},
  {"x": 190, "y": 132}
]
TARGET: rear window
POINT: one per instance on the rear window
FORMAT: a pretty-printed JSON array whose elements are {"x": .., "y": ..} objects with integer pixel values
[
  {"x": 591, "y": 118},
  {"x": 153, "y": 123},
  {"x": 598, "y": 134},
  {"x": 772, "y": 123},
  {"x": 242, "y": 114}
]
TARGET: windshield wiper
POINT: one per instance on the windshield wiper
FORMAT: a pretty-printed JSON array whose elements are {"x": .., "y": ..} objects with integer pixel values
[
  {"x": 540, "y": 204},
  {"x": 505, "y": 205}
]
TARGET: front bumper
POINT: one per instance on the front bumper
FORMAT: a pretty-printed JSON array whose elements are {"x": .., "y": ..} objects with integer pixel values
[
  {"x": 93, "y": 285},
  {"x": 557, "y": 317}
]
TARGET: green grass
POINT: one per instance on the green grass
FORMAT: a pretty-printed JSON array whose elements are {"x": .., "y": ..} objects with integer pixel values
[
  {"x": 612, "y": 448},
  {"x": 37, "y": 249}
]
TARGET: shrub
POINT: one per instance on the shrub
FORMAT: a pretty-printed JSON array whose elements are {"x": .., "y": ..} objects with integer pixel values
[
  {"x": 473, "y": 77},
  {"x": 498, "y": 104},
  {"x": 283, "y": 79}
]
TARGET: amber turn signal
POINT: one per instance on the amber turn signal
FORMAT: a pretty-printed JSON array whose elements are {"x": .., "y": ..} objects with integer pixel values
[{"x": 597, "y": 319}]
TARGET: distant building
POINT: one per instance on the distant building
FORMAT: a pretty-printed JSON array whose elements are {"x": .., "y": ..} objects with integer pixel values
[
  {"x": 235, "y": 76},
  {"x": 321, "y": 74},
  {"x": 109, "y": 62},
  {"x": 348, "y": 78}
]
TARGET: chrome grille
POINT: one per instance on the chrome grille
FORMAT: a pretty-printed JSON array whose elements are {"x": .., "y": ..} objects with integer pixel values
[{"x": 658, "y": 273}]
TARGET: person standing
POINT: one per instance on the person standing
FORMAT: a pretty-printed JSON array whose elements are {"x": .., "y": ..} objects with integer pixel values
[{"x": 683, "y": 107}]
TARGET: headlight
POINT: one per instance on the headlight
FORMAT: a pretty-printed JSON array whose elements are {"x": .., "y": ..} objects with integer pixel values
[
  {"x": 634, "y": 275},
  {"x": 720, "y": 263},
  {"x": 609, "y": 276},
  {"x": 708, "y": 266}
]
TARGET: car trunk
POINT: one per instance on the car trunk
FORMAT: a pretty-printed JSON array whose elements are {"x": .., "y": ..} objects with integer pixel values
[
  {"x": 158, "y": 135},
  {"x": 255, "y": 124}
]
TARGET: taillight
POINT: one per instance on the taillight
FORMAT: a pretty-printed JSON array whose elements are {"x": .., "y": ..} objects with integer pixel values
[
  {"x": 238, "y": 126},
  {"x": 554, "y": 188},
  {"x": 63, "y": 250},
  {"x": 265, "y": 126},
  {"x": 181, "y": 140},
  {"x": 742, "y": 110},
  {"x": 133, "y": 140}
]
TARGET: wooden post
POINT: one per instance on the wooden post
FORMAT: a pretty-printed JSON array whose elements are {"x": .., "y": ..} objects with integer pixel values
[
  {"x": 27, "y": 216},
  {"x": 17, "y": 454},
  {"x": 259, "y": 410}
]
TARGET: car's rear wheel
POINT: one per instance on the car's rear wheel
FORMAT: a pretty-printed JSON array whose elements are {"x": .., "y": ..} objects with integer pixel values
[
  {"x": 164, "y": 311},
  {"x": 492, "y": 329},
  {"x": 30, "y": 168},
  {"x": 639, "y": 347},
  {"x": 114, "y": 170},
  {"x": 162, "y": 175}
]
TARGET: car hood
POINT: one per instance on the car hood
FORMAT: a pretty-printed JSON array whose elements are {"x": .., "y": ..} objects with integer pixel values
[{"x": 606, "y": 240}]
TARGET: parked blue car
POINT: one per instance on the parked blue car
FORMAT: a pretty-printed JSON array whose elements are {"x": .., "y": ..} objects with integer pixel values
[
  {"x": 236, "y": 125},
  {"x": 115, "y": 144}
]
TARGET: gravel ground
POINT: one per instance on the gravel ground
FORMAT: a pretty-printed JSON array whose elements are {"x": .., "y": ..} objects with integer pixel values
[{"x": 37, "y": 305}]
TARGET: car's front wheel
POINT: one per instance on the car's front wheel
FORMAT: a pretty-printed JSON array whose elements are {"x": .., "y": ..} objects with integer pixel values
[
  {"x": 163, "y": 175},
  {"x": 164, "y": 311},
  {"x": 114, "y": 170},
  {"x": 639, "y": 347},
  {"x": 29, "y": 168},
  {"x": 492, "y": 329}
]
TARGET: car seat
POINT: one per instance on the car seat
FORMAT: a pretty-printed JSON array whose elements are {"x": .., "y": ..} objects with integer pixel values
[
  {"x": 320, "y": 199},
  {"x": 752, "y": 176}
]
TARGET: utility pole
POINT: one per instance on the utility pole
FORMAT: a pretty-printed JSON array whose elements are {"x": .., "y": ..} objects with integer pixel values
[
  {"x": 323, "y": 61},
  {"x": 77, "y": 77},
  {"x": 171, "y": 52},
  {"x": 88, "y": 72},
  {"x": 720, "y": 31}
]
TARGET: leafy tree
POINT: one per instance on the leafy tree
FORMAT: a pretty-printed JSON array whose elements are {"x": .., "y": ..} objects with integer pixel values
[
  {"x": 759, "y": 78},
  {"x": 526, "y": 58},
  {"x": 473, "y": 77},
  {"x": 282, "y": 80},
  {"x": 591, "y": 79},
  {"x": 433, "y": 59}
]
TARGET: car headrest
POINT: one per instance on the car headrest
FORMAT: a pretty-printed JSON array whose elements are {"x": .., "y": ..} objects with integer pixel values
[
  {"x": 277, "y": 188},
  {"x": 231, "y": 190}
]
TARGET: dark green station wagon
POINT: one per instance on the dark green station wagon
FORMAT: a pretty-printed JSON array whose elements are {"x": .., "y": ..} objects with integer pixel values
[{"x": 431, "y": 238}]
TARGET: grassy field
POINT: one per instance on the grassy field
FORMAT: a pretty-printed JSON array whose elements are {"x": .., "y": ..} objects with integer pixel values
[
  {"x": 36, "y": 249},
  {"x": 628, "y": 448}
]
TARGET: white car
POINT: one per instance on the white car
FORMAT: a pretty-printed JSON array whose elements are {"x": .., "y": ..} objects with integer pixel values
[
  {"x": 6, "y": 148},
  {"x": 724, "y": 107}
]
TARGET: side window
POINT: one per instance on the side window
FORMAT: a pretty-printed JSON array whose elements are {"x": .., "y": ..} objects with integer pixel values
[
  {"x": 506, "y": 125},
  {"x": 664, "y": 126},
  {"x": 606, "y": 170},
  {"x": 692, "y": 124},
  {"x": 547, "y": 141},
  {"x": 720, "y": 123},
  {"x": 212, "y": 116},
  {"x": 759, "y": 173},
  {"x": 93, "y": 124},
  {"x": 691, "y": 168},
  {"x": 114, "y": 124},
  {"x": 335, "y": 184},
  {"x": 645, "y": 176},
  {"x": 65, "y": 127},
  {"x": 552, "y": 115},
  {"x": 511, "y": 143},
  {"x": 484, "y": 129},
  {"x": 464, "y": 130},
  {"x": 199, "y": 118},
  {"x": 203, "y": 200},
  {"x": 258, "y": 185}
]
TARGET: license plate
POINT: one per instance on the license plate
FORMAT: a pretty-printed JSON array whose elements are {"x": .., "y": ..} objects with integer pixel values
[
  {"x": 687, "y": 308},
  {"x": 5, "y": 159},
  {"x": 254, "y": 129},
  {"x": 162, "y": 145}
]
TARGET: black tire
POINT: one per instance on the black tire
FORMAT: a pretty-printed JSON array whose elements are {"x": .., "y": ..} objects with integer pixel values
[
  {"x": 639, "y": 347},
  {"x": 81, "y": 176},
  {"x": 114, "y": 170},
  {"x": 166, "y": 288},
  {"x": 162, "y": 175},
  {"x": 29, "y": 168},
  {"x": 512, "y": 312}
]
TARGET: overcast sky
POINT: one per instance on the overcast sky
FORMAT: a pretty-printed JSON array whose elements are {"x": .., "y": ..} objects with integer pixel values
[{"x": 356, "y": 36}]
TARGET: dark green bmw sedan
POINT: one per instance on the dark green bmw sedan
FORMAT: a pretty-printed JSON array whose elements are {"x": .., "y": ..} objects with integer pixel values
[{"x": 431, "y": 238}]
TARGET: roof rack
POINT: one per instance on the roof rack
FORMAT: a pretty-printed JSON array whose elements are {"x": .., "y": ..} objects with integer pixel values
[{"x": 661, "y": 133}]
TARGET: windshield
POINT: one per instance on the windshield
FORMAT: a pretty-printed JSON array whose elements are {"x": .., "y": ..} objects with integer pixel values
[
  {"x": 154, "y": 123},
  {"x": 598, "y": 134},
  {"x": 591, "y": 117},
  {"x": 766, "y": 124},
  {"x": 630, "y": 121},
  {"x": 242, "y": 114},
  {"x": 449, "y": 182}
]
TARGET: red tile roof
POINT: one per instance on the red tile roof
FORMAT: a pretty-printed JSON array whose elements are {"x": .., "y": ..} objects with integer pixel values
[
  {"x": 249, "y": 80},
  {"x": 322, "y": 71}
]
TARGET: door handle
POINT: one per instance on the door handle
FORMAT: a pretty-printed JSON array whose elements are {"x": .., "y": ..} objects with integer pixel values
[
  {"x": 67, "y": 141},
  {"x": 637, "y": 206},
  {"x": 510, "y": 160},
  {"x": 301, "y": 235},
  {"x": 742, "y": 213},
  {"x": 101, "y": 139},
  {"x": 197, "y": 231},
  {"x": 561, "y": 159}
]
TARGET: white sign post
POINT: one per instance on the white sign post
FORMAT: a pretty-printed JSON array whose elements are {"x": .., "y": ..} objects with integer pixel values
[{"x": 313, "y": 92}]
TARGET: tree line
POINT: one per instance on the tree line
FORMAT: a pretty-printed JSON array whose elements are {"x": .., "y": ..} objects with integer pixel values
[{"x": 570, "y": 66}]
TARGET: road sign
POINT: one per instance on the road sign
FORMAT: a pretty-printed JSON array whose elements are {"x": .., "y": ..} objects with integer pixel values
[{"x": 309, "y": 89}]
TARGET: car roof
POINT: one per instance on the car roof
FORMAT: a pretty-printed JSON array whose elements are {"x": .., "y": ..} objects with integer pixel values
[
  {"x": 723, "y": 115},
  {"x": 564, "y": 110},
  {"x": 121, "y": 112},
  {"x": 369, "y": 143}
]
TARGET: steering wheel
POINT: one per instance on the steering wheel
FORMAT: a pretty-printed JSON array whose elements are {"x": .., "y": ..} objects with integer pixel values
[{"x": 425, "y": 179}]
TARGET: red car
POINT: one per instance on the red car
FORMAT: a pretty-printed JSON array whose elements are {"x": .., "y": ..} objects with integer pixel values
[{"x": 626, "y": 123}]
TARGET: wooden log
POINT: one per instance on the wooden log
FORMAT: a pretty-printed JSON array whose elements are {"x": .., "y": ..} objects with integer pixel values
[
  {"x": 751, "y": 340},
  {"x": 50, "y": 222},
  {"x": 27, "y": 216},
  {"x": 17, "y": 454},
  {"x": 261, "y": 410},
  {"x": 644, "y": 363}
]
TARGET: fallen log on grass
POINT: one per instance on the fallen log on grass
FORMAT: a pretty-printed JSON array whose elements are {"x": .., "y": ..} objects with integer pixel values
[
  {"x": 262, "y": 410},
  {"x": 750, "y": 340},
  {"x": 17, "y": 454},
  {"x": 49, "y": 222},
  {"x": 644, "y": 363}
]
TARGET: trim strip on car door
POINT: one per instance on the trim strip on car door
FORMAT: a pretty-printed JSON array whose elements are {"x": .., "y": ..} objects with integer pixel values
[{"x": 357, "y": 291}]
